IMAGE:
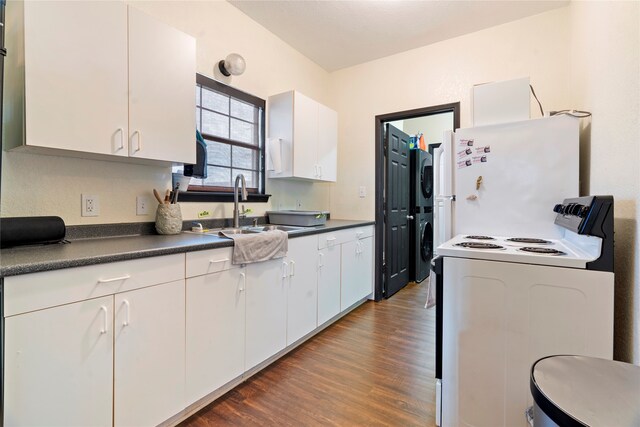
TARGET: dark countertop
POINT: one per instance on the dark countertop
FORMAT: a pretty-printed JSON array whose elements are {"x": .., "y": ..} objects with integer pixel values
[{"x": 77, "y": 253}]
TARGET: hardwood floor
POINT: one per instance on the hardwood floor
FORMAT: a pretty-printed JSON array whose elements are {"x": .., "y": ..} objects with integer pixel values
[{"x": 374, "y": 367}]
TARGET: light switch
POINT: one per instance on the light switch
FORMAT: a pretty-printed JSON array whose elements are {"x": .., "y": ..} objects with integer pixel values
[{"x": 363, "y": 191}]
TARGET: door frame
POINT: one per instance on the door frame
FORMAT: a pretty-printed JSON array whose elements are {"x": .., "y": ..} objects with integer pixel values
[{"x": 453, "y": 107}]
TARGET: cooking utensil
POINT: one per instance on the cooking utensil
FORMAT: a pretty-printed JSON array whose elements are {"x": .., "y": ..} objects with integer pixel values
[
  {"x": 157, "y": 196},
  {"x": 166, "y": 197},
  {"x": 174, "y": 199}
]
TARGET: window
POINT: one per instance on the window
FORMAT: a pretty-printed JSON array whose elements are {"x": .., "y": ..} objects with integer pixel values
[{"x": 231, "y": 123}]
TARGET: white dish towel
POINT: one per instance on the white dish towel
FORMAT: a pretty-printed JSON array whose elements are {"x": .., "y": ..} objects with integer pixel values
[
  {"x": 248, "y": 248},
  {"x": 431, "y": 290}
]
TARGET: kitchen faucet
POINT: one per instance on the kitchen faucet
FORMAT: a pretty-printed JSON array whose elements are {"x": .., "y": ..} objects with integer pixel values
[{"x": 236, "y": 212}]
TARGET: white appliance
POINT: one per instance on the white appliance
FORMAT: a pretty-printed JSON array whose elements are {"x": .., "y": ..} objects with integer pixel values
[
  {"x": 501, "y": 179},
  {"x": 505, "y": 302},
  {"x": 499, "y": 102}
]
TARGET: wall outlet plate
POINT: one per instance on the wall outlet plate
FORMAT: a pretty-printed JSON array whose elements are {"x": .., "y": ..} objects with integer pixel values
[
  {"x": 142, "y": 205},
  {"x": 90, "y": 205},
  {"x": 203, "y": 214}
]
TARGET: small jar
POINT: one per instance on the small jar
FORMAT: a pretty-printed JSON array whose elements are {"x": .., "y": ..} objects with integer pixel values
[{"x": 168, "y": 219}]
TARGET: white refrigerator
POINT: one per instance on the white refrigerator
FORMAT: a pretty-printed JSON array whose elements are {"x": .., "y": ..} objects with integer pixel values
[{"x": 505, "y": 179}]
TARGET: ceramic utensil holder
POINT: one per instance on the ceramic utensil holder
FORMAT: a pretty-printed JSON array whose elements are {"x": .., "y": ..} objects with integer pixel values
[{"x": 168, "y": 219}]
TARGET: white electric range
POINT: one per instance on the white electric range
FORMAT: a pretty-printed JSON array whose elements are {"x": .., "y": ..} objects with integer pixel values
[
  {"x": 573, "y": 251},
  {"x": 504, "y": 302}
]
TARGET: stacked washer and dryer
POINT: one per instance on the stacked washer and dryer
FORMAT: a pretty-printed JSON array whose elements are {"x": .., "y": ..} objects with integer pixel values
[{"x": 422, "y": 213}]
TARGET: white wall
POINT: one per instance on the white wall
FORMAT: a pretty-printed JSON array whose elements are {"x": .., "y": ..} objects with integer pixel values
[
  {"x": 583, "y": 56},
  {"x": 439, "y": 74},
  {"x": 605, "y": 79},
  {"x": 50, "y": 185}
]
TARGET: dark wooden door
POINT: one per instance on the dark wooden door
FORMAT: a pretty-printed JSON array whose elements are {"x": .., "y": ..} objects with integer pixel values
[{"x": 397, "y": 213}]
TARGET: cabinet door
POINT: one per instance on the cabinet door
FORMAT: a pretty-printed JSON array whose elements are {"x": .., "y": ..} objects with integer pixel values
[
  {"x": 266, "y": 329},
  {"x": 162, "y": 81},
  {"x": 357, "y": 271},
  {"x": 149, "y": 354},
  {"x": 328, "y": 283},
  {"x": 58, "y": 367},
  {"x": 302, "y": 292},
  {"x": 76, "y": 76},
  {"x": 327, "y": 144},
  {"x": 305, "y": 137},
  {"x": 215, "y": 331}
]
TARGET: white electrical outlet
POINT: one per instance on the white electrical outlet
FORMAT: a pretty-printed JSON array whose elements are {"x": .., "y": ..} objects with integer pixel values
[
  {"x": 363, "y": 191},
  {"x": 142, "y": 205},
  {"x": 298, "y": 204},
  {"x": 90, "y": 205}
]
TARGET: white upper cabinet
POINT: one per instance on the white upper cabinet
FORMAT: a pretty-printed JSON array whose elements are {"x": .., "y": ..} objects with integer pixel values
[
  {"x": 162, "y": 81},
  {"x": 75, "y": 76},
  {"x": 98, "y": 78},
  {"x": 327, "y": 144},
  {"x": 308, "y": 132},
  {"x": 305, "y": 136}
]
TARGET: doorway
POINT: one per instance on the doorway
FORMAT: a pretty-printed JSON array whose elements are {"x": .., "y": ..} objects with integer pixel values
[{"x": 397, "y": 222}]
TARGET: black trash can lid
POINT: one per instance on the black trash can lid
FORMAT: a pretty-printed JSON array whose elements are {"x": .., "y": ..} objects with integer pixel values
[{"x": 579, "y": 391}]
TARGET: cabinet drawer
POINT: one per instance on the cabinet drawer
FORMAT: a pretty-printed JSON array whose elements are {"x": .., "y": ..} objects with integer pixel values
[
  {"x": 209, "y": 261},
  {"x": 36, "y": 291},
  {"x": 332, "y": 238}
]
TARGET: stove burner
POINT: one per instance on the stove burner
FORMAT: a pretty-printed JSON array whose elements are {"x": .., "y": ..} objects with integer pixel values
[
  {"x": 479, "y": 237},
  {"x": 478, "y": 245},
  {"x": 542, "y": 251},
  {"x": 529, "y": 241}
]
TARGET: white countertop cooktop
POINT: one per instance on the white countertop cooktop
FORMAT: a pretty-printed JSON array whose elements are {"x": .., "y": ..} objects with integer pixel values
[{"x": 572, "y": 257}]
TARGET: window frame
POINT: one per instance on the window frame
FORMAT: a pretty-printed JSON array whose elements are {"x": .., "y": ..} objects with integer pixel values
[{"x": 214, "y": 193}]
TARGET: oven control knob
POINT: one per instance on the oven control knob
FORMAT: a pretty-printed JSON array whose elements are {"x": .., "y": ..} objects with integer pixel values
[
  {"x": 580, "y": 211},
  {"x": 572, "y": 209}
]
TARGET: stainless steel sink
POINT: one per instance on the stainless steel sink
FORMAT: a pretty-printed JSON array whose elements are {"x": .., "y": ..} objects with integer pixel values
[
  {"x": 235, "y": 231},
  {"x": 270, "y": 227},
  {"x": 250, "y": 230}
]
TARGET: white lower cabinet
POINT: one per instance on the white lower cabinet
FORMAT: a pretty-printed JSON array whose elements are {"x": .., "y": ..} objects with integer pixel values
[
  {"x": 328, "y": 283},
  {"x": 266, "y": 317},
  {"x": 357, "y": 271},
  {"x": 215, "y": 331},
  {"x": 302, "y": 288},
  {"x": 58, "y": 366},
  {"x": 149, "y": 354},
  {"x": 146, "y": 344}
]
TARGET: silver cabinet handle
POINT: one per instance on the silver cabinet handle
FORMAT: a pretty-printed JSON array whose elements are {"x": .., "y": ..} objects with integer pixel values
[
  {"x": 292, "y": 271},
  {"x": 215, "y": 261},
  {"x": 320, "y": 260},
  {"x": 284, "y": 269},
  {"x": 139, "y": 140},
  {"x": 106, "y": 320},
  {"x": 128, "y": 307},
  {"x": 409, "y": 217},
  {"x": 115, "y": 279},
  {"x": 244, "y": 282},
  {"x": 121, "y": 139}
]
